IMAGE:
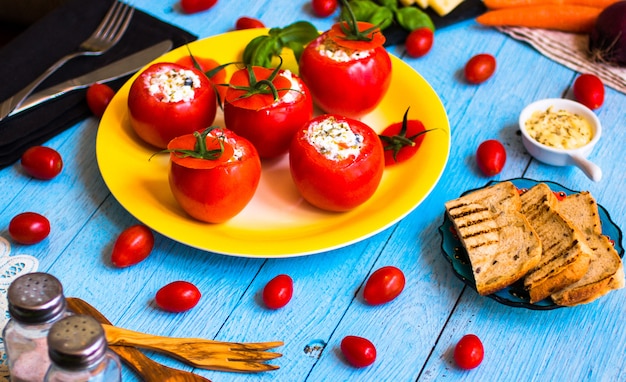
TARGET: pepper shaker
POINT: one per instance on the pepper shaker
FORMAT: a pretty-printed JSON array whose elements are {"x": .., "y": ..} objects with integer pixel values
[
  {"x": 35, "y": 302},
  {"x": 78, "y": 349}
]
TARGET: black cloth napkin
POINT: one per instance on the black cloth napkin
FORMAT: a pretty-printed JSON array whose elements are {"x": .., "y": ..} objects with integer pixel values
[{"x": 57, "y": 34}]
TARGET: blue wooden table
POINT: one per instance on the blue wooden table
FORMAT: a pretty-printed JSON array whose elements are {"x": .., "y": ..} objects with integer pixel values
[{"x": 415, "y": 334}]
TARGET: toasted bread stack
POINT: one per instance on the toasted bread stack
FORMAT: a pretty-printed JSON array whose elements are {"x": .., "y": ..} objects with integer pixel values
[
  {"x": 499, "y": 241},
  {"x": 555, "y": 247}
]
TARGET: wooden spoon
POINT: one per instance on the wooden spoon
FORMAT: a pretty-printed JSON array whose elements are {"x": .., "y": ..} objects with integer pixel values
[{"x": 146, "y": 368}]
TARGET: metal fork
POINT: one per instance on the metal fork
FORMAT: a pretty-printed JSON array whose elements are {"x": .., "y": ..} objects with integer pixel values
[{"x": 108, "y": 33}]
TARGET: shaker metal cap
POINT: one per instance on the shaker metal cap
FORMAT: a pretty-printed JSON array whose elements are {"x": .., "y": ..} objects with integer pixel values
[
  {"x": 36, "y": 298},
  {"x": 76, "y": 342}
]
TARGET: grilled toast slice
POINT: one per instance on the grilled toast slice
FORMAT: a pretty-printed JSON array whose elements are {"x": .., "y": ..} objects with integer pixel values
[
  {"x": 566, "y": 255},
  {"x": 606, "y": 271},
  {"x": 500, "y": 243}
]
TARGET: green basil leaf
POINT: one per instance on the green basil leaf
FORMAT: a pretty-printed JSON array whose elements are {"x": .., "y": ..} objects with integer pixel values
[
  {"x": 363, "y": 9},
  {"x": 391, "y": 4},
  {"x": 411, "y": 18},
  {"x": 383, "y": 17}
]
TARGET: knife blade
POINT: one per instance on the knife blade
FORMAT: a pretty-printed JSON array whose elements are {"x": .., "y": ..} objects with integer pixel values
[{"x": 114, "y": 70}]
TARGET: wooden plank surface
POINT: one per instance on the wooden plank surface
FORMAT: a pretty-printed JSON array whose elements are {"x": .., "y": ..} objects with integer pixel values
[{"x": 416, "y": 333}]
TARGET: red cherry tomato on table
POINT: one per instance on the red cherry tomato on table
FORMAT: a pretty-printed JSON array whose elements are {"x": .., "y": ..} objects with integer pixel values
[
  {"x": 419, "y": 42},
  {"x": 480, "y": 68},
  {"x": 278, "y": 292},
  {"x": 469, "y": 352},
  {"x": 589, "y": 90},
  {"x": 491, "y": 157},
  {"x": 359, "y": 351},
  {"x": 218, "y": 184},
  {"x": 384, "y": 285},
  {"x": 42, "y": 162},
  {"x": 132, "y": 246},
  {"x": 29, "y": 228},
  {"x": 98, "y": 98},
  {"x": 251, "y": 111},
  {"x": 194, "y": 6},
  {"x": 340, "y": 173},
  {"x": 161, "y": 110},
  {"x": 345, "y": 77},
  {"x": 324, "y": 8},
  {"x": 206, "y": 65},
  {"x": 248, "y": 23},
  {"x": 178, "y": 296}
]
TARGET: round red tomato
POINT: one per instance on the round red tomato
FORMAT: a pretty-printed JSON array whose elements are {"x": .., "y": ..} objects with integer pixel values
[
  {"x": 29, "y": 228},
  {"x": 589, "y": 90},
  {"x": 336, "y": 162},
  {"x": 324, "y": 8},
  {"x": 401, "y": 140},
  {"x": 469, "y": 352},
  {"x": 278, "y": 292},
  {"x": 480, "y": 68},
  {"x": 178, "y": 296},
  {"x": 248, "y": 23},
  {"x": 419, "y": 42},
  {"x": 214, "y": 174},
  {"x": 359, "y": 351},
  {"x": 384, "y": 285},
  {"x": 267, "y": 115},
  {"x": 194, "y": 6},
  {"x": 42, "y": 162},
  {"x": 132, "y": 246},
  {"x": 346, "y": 77},
  {"x": 98, "y": 98},
  {"x": 168, "y": 100},
  {"x": 491, "y": 157},
  {"x": 207, "y": 65}
]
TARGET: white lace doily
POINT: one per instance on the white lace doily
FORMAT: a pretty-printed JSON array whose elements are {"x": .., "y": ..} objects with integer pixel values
[{"x": 11, "y": 267}]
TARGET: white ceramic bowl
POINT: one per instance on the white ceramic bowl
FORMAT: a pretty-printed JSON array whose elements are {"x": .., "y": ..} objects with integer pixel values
[{"x": 563, "y": 157}]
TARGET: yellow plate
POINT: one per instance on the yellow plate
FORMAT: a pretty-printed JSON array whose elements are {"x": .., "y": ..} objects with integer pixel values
[{"x": 277, "y": 222}]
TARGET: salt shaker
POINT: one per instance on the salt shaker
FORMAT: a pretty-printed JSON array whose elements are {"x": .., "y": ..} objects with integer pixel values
[
  {"x": 35, "y": 302},
  {"x": 78, "y": 350}
]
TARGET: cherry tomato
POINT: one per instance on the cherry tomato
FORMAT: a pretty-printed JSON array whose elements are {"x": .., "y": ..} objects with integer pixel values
[
  {"x": 251, "y": 111},
  {"x": 194, "y": 6},
  {"x": 589, "y": 90},
  {"x": 491, "y": 157},
  {"x": 207, "y": 65},
  {"x": 178, "y": 296},
  {"x": 324, "y": 8},
  {"x": 162, "y": 110},
  {"x": 132, "y": 246},
  {"x": 480, "y": 68},
  {"x": 401, "y": 140},
  {"x": 384, "y": 285},
  {"x": 469, "y": 352},
  {"x": 278, "y": 292},
  {"x": 214, "y": 189},
  {"x": 98, "y": 98},
  {"x": 29, "y": 228},
  {"x": 336, "y": 174},
  {"x": 42, "y": 162},
  {"x": 345, "y": 77},
  {"x": 248, "y": 23},
  {"x": 419, "y": 42},
  {"x": 359, "y": 351}
]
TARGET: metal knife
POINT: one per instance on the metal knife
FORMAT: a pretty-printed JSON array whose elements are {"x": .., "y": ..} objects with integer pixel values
[{"x": 117, "y": 69}]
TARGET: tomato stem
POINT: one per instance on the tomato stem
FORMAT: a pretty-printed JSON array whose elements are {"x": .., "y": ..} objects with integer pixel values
[
  {"x": 200, "y": 150},
  {"x": 352, "y": 31},
  {"x": 399, "y": 141}
]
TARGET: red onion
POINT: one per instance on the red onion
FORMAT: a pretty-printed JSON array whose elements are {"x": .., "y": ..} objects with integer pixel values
[{"x": 607, "y": 40}]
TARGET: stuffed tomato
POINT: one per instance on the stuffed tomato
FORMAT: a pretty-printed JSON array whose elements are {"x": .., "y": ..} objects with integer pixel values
[
  {"x": 347, "y": 69},
  {"x": 267, "y": 107},
  {"x": 336, "y": 162},
  {"x": 213, "y": 175},
  {"x": 168, "y": 100}
]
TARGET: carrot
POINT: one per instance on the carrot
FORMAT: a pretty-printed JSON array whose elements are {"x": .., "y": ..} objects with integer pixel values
[
  {"x": 566, "y": 18},
  {"x": 498, "y": 4}
]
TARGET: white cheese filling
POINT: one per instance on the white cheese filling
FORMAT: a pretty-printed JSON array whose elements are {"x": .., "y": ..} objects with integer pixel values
[
  {"x": 334, "y": 139},
  {"x": 173, "y": 85},
  {"x": 330, "y": 49},
  {"x": 296, "y": 90}
]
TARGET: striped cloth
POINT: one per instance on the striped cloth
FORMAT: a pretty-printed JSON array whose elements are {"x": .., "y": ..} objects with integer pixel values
[{"x": 571, "y": 50}]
